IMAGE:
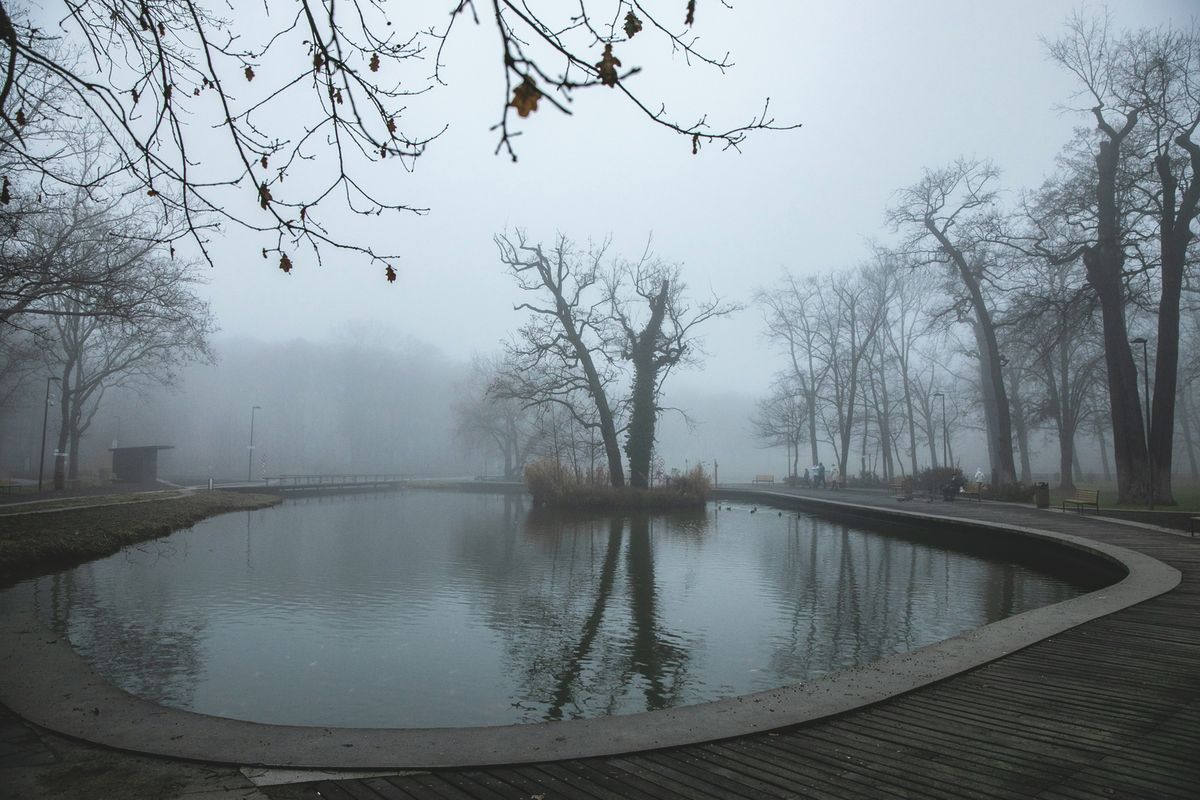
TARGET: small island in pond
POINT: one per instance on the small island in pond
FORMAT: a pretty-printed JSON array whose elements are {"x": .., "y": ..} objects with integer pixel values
[{"x": 554, "y": 485}]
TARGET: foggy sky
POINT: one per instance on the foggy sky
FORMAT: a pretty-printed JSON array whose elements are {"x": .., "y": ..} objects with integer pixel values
[{"x": 883, "y": 90}]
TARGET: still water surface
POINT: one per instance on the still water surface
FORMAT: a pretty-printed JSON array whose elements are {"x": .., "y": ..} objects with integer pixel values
[{"x": 439, "y": 609}]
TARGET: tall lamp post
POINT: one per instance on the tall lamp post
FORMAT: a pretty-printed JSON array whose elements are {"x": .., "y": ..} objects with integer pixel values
[
  {"x": 945, "y": 440},
  {"x": 1149, "y": 440},
  {"x": 45, "y": 419},
  {"x": 250, "y": 460}
]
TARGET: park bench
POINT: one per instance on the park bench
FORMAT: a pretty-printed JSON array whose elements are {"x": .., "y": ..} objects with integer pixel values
[
  {"x": 974, "y": 489},
  {"x": 1083, "y": 497},
  {"x": 764, "y": 478},
  {"x": 902, "y": 489}
]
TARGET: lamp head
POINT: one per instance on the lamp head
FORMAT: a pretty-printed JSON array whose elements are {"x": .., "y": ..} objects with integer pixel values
[{"x": 1139, "y": 340}]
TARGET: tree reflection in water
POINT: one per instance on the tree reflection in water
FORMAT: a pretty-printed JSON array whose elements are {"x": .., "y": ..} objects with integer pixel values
[
  {"x": 607, "y": 642},
  {"x": 432, "y": 608}
]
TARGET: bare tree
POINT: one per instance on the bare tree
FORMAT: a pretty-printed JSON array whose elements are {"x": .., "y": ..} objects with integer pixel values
[
  {"x": 781, "y": 419},
  {"x": 942, "y": 215},
  {"x": 560, "y": 353},
  {"x": 503, "y": 424},
  {"x": 592, "y": 332},
  {"x": 656, "y": 325},
  {"x": 904, "y": 325},
  {"x": 1143, "y": 91},
  {"x": 94, "y": 354},
  {"x": 850, "y": 319},
  {"x": 156, "y": 76},
  {"x": 88, "y": 246},
  {"x": 793, "y": 324}
]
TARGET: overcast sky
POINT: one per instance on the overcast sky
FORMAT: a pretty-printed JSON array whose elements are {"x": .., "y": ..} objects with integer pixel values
[{"x": 883, "y": 89}]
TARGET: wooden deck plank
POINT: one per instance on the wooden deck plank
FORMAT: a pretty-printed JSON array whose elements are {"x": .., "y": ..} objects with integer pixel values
[
  {"x": 949, "y": 747},
  {"x": 913, "y": 766},
  {"x": 423, "y": 785},
  {"x": 710, "y": 779},
  {"x": 786, "y": 774},
  {"x": 529, "y": 781},
  {"x": 663, "y": 787},
  {"x": 390, "y": 792},
  {"x": 490, "y": 783},
  {"x": 703, "y": 762},
  {"x": 600, "y": 790},
  {"x": 473, "y": 789},
  {"x": 599, "y": 770},
  {"x": 345, "y": 790}
]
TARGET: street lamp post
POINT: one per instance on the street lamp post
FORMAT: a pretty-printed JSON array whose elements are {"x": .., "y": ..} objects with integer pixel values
[
  {"x": 1149, "y": 440},
  {"x": 45, "y": 419},
  {"x": 250, "y": 464}
]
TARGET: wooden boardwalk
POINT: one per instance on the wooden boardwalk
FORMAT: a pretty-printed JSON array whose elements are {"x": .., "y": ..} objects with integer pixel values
[{"x": 1110, "y": 709}]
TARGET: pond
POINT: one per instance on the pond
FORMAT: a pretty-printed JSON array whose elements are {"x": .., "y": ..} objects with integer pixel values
[{"x": 434, "y": 609}]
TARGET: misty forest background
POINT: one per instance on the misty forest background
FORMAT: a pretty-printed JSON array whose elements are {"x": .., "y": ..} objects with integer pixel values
[{"x": 996, "y": 327}]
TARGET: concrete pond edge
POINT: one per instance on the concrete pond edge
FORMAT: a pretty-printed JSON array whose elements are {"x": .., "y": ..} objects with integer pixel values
[{"x": 45, "y": 681}]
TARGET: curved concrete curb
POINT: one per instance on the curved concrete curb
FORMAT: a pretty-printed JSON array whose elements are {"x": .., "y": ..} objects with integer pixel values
[{"x": 43, "y": 680}]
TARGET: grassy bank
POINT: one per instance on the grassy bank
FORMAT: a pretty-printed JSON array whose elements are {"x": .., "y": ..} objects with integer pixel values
[{"x": 43, "y": 541}]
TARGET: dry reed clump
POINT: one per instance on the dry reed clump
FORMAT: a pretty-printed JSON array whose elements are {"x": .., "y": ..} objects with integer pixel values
[{"x": 555, "y": 486}]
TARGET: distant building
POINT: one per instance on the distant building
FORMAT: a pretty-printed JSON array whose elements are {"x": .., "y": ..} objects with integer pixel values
[{"x": 137, "y": 464}]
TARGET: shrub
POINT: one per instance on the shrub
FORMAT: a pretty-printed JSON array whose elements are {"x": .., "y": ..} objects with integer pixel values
[
  {"x": 546, "y": 478},
  {"x": 935, "y": 479},
  {"x": 694, "y": 483}
]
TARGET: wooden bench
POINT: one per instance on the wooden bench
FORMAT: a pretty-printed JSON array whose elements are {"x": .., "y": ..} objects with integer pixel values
[
  {"x": 764, "y": 479},
  {"x": 975, "y": 490},
  {"x": 1083, "y": 497},
  {"x": 902, "y": 489}
]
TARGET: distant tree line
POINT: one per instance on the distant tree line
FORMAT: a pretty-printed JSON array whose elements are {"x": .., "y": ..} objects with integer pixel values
[
  {"x": 90, "y": 298},
  {"x": 1039, "y": 301}
]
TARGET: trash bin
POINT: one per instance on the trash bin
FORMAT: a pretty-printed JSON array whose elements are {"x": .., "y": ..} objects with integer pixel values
[{"x": 1041, "y": 494}]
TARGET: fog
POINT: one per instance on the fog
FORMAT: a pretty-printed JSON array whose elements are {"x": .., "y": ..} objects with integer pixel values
[{"x": 355, "y": 374}]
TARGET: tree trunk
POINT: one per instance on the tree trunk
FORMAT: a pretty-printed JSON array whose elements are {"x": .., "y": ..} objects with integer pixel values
[
  {"x": 912, "y": 422},
  {"x": 1104, "y": 455},
  {"x": 1020, "y": 428},
  {"x": 1104, "y": 262},
  {"x": 643, "y": 411},
  {"x": 1000, "y": 445},
  {"x": 1189, "y": 443},
  {"x": 932, "y": 436},
  {"x": 812, "y": 425},
  {"x": 885, "y": 428},
  {"x": 1175, "y": 232},
  {"x": 64, "y": 428}
]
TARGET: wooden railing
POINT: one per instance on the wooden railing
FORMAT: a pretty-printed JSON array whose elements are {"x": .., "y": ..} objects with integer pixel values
[{"x": 299, "y": 481}]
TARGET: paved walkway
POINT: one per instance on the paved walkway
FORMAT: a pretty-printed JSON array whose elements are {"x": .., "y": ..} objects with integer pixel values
[{"x": 1110, "y": 709}]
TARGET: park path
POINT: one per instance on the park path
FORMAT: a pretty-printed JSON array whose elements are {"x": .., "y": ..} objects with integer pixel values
[{"x": 1109, "y": 709}]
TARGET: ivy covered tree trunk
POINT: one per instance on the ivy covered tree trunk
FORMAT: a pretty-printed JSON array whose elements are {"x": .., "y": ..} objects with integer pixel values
[{"x": 643, "y": 411}]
